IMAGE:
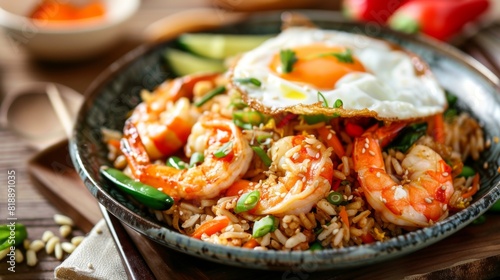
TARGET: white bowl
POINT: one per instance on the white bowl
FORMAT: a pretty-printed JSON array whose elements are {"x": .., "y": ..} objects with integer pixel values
[{"x": 73, "y": 41}]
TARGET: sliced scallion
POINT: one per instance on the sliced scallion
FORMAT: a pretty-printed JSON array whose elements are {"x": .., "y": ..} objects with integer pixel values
[
  {"x": 338, "y": 103},
  {"x": 224, "y": 150},
  {"x": 252, "y": 81},
  {"x": 335, "y": 198},
  {"x": 247, "y": 202},
  {"x": 264, "y": 226},
  {"x": 210, "y": 95},
  {"x": 262, "y": 155},
  {"x": 467, "y": 171},
  {"x": 196, "y": 158},
  {"x": 176, "y": 163},
  {"x": 315, "y": 246}
]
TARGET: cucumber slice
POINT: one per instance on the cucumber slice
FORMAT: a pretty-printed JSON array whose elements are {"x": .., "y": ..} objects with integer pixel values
[
  {"x": 220, "y": 46},
  {"x": 183, "y": 63}
]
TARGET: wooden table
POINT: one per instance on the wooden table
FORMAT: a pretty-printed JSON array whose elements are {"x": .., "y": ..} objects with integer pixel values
[{"x": 17, "y": 68}]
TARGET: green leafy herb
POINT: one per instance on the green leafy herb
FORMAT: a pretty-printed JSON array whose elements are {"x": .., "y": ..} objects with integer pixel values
[
  {"x": 252, "y": 81},
  {"x": 287, "y": 58},
  {"x": 344, "y": 57},
  {"x": 467, "y": 171},
  {"x": 408, "y": 136}
]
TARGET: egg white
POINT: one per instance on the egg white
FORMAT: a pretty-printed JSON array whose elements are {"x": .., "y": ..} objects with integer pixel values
[{"x": 390, "y": 89}]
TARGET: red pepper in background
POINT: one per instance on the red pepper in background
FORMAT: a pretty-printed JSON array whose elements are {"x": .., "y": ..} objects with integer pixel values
[
  {"x": 440, "y": 19},
  {"x": 371, "y": 10}
]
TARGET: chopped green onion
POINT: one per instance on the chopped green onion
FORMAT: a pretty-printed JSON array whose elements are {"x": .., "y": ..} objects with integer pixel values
[
  {"x": 224, "y": 150},
  {"x": 287, "y": 58},
  {"x": 408, "y": 136},
  {"x": 252, "y": 81},
  {"x": 344, "y": 57},
  {"x": 264, "y": 226},
  {"x": 249, "y": 117},
  {"x": 338, "y": 103},
  {"x": 210, "y": 95},
  {"x": 314, "y": 119},
  {"x": 323, "y": 99},
  {"x": 176, "y": 163},
  {"x": 467, "y": 171},
  {"x": 239, "y": 123},
  {"x": 452, "y": 99},
  {"x": 450, "y": 113},
  {"x": 335, "y": 198},
  {"x": 263, "y": 138},
  {"x": 315, "y": 246},
  {"x": 263, "y": 155},
  {"x": 320, "y": 229},
  {"x": 247, "y": 201},
  {"x": 196, "y": 158}
]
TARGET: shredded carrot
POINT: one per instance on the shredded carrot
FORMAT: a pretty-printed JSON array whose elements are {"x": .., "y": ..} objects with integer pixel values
[
  {"x": 250, "y": 244},
  {"x": 367, "y": 238},
  {"x": 343, "y": 215},
  {"x": 474, "y": 188},
  {"x": 239, "y": 187},
  {"x": 438, "y": 131},
  {"x": 211, "y": 227},
  {"x": 332, "y": 140}
]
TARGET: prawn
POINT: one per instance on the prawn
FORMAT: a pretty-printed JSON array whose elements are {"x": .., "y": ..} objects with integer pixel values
[
  {"x": 164, "y": 120},
  {"x": 227, "y": 157},
  {"x": 420, "y": 200},
  {"x": 300, "y": 175}
]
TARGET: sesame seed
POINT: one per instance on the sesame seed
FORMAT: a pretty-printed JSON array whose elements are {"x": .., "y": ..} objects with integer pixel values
[
  {"x": 378, "y": 175},
  {"x": 367, "y": 141},
  {"x": 445, "y": 174},
  {"x": 443, "y": 187},
  {"x": 428, "y": 200},
  {"x": 350, "y": 197},
  {"x": 485, "y": 165},
  {"x": 330, "y": 135},
  {"x": 363, "y": 150},
  {"x": 445, "y": 207},
  {"x": 160, "y": 189},
  {"x": 371, "y": 153},
  {"x": 383, "y": 200},
  {"x": 367, "y": 145}
]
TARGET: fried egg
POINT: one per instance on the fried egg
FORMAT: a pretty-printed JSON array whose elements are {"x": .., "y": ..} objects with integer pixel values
[{"x": 371, "y": 77}]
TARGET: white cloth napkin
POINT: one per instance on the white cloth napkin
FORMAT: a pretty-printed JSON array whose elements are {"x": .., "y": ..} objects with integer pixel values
[{"x": 95, "y": 258}]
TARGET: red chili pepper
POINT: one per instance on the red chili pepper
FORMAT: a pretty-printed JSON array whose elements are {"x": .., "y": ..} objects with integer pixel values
[
  {"x": 440, "y": 19},
  {"x": 370, "y": 10},
  {"x": 353, "y": 130}
]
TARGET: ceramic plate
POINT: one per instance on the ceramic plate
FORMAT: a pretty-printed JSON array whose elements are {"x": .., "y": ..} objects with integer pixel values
[{"x": 117, "y": 90}]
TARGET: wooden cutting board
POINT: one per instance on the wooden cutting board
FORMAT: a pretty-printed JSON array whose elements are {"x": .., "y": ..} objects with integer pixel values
[{"x": 472, "y": 253}]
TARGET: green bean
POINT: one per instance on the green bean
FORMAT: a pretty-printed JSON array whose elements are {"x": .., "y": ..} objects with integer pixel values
[{"x": 145, "y": 194}]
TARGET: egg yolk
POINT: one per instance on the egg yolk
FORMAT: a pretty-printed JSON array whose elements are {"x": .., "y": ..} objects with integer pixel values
[{"x": 317, "y": 65}]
